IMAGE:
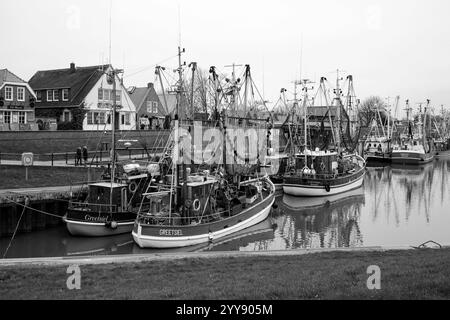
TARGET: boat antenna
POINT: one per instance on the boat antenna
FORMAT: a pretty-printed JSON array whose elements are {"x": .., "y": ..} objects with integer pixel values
[{"x": 110, "y": 30}]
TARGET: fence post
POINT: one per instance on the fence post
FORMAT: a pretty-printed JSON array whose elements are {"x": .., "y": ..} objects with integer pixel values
[
  {"x": 67, "y": 158},
  {"x": 129, "y": 153},
  {"x": 52, "y": 159}
]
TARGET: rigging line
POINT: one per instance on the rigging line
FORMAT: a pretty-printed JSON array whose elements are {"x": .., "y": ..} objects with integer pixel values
[
  {"x": 14, "y": 234},
  {"x": 151, "y": 66}
]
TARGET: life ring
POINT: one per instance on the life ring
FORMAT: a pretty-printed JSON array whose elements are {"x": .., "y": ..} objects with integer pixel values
[
  {"x": 133, "y": 187},
  {"x": 327, "y": 188},
  {"x": 196, "y": 205}
]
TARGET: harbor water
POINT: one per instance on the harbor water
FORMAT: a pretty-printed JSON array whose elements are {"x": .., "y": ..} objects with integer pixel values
[{"x": 397, "y": 206}]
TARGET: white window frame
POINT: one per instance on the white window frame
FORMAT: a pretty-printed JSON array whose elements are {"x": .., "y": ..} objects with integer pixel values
[
  {"x": 89, "y": 118},
  {"x": 67, "y": 92},
  {"x": 20, "y": 89},
  {"x": 49, "y": 95},
  {"x": 154, "y": 107},
  {"x": 54, "y": 99},
  {"x": 9, "y": 113},
  {"x": 6, "y": 93},
  {"x": 68, "y": 117},
  {"x": 24, "y": 114}
]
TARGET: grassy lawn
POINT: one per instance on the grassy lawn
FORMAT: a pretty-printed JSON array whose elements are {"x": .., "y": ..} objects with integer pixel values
[
  {"x": 14, "y": 176},
  {"x": 408, "y": 274}
]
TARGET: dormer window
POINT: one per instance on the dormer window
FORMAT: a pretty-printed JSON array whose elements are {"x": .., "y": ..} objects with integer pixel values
[
  {"x": 65, "y": 95},
  {"x": 49, "y": 95},
  {"x": 55, "y": 95}
]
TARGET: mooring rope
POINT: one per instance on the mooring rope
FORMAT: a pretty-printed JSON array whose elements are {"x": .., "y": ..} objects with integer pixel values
[{"x": 15, "y": 231}]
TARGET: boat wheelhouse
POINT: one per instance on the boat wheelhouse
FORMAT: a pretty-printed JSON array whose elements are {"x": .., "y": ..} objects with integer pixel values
[
  {"x": 107, "y": 208},
  {"x": 377, "y": 149}
]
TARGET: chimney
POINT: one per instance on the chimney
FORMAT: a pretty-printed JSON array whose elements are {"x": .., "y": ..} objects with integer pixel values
[
  {"x": 72, "y": 67},
  {"x": 150, "y": 85}
]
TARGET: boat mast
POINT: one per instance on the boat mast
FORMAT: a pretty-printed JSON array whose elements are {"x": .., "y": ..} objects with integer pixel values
[{"x": 112, "y": 77}]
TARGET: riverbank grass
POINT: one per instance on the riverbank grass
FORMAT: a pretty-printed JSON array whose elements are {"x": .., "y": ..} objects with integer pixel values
[{"x": 407, "y": 274}]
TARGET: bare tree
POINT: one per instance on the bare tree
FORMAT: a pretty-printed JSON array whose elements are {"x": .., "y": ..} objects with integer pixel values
[{"x": 368, "y": 110}]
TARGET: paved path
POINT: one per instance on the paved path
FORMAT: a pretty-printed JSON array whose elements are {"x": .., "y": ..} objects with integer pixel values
[{"x": 136, "y": 258}]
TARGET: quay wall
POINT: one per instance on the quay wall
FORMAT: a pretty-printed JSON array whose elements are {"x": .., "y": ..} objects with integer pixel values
[
  {"x": 41, "y": 142},
  {"x": 31, "y": 220}
]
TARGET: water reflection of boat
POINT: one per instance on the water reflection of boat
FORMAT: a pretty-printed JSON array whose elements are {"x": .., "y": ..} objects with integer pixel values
[
  {"x": 330, "y": 222},
  {"x": 308, "y": 205}
]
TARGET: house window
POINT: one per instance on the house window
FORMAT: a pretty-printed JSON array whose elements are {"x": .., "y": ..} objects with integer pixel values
[
  {"x": 155, "y": 107},
  {"x": 106, "y": 95},
  {"x": 20, "y": 94},
  {"x": 8, "y": 93},
  {"x": 108, "y": 120},
  {"x": 65, "y": 94},
  {"x": 118, "y": 96},
  {"x": 95, "y": 117},
  {"x": 122, "y": 119},
  {"x": 66, "y": 116},
  {"x": 100, "y": 94},
  {"x": 89, "y": 117},
  {"x": 127, "y": 118},
  {"x": 7, "y": 117},
  {"x": 55, "y": 95},
  {"x": 38, "y": 96},
  {"x": 101, "y": 118},
  {"x": 49, "y": 95},
  {"x": 22, "y": 117}
]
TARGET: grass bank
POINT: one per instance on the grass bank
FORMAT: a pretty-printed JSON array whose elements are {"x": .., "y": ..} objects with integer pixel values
[
  {"x": 407, "y": 274},
  {"x": 13, "y": 177}
]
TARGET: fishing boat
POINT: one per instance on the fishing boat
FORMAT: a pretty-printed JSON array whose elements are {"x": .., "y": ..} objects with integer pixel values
[
  {"x": 330, "y": 171},
  {"x": 109, "y": 207},
  {"x": 414, "y": 147},
  {"x": 193, "y": 206}
]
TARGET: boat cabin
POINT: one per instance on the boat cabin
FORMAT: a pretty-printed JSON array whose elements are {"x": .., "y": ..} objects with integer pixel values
[{"x": 99, "y": 197}]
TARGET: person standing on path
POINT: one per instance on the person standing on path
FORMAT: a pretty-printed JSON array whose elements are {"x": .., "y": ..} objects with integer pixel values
[
  {"x": 85, "y": 155},
  {"x": 78, "y": 157}
]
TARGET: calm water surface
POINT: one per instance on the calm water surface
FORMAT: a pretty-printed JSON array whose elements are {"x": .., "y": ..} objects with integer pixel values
[{"x": 397, "y": 206}]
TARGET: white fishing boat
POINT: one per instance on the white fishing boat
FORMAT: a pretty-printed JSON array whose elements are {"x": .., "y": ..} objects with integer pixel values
[
  {"x": 316, "y": 173},
  {"x": 189, "y": 209},
  {"x": 414, "y": 147}
]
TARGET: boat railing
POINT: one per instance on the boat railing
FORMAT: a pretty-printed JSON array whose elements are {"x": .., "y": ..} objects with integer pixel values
[
  {"x": 176, "y": 220},
  {"x": 92, "y": 207}
]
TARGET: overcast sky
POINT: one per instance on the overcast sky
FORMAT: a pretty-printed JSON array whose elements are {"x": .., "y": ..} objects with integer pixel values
[{"x": 390, "y": 47}]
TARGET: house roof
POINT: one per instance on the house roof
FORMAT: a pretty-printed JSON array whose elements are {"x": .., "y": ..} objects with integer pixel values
[
  {"x": 8, "y": 76},
  {"x": 138, "y": 95},
  {"x": 80, "y": 82}
]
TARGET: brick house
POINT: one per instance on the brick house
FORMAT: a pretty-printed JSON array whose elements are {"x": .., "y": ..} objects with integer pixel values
[
  {"x": 17, "y": 102},
  {"x": 80, "y": 98},
  {"x": 150, "y": 111}
]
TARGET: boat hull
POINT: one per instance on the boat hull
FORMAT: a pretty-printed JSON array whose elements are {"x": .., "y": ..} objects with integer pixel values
[
  {"x": 154, "y": 236},
  {"x": 378, "y": 158},
  {"x": 96, "y": 229},
  {"x": 411, "y": 158},
  {"x": 301, "y": 190}
]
